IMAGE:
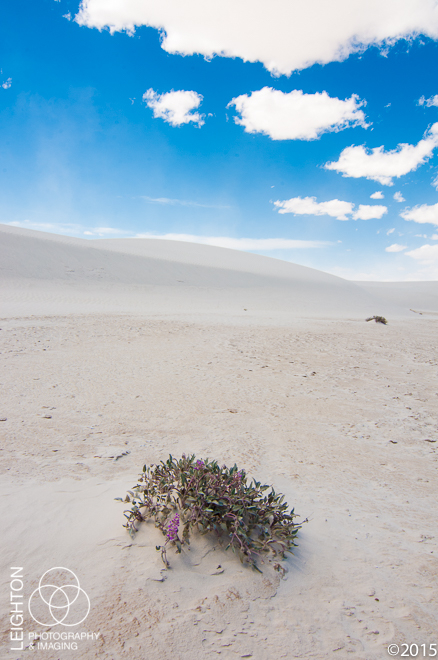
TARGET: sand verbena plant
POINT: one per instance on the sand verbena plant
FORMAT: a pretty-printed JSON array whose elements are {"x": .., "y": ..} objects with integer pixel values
[{"x": 185, "y": 495}]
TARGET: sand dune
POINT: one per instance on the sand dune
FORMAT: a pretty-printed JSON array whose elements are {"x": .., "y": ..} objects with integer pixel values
[
  {"x": 109, "y": 362},
  {"x": 421, "y": 297},
  {"x": 46, "y": 273}
]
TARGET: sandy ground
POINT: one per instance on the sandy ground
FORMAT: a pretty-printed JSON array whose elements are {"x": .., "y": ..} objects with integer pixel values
[{"x": 338, "y": 414}]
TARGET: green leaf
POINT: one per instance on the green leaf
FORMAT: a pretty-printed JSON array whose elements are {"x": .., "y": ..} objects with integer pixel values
[{"x": 212, "y": 500}]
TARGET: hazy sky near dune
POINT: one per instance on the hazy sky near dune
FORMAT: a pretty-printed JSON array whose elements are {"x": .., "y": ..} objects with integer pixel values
[{"x": 304, "y": 131}]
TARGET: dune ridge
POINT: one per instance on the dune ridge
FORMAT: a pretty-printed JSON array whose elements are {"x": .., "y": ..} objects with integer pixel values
[{"x": 41, "y": 272}]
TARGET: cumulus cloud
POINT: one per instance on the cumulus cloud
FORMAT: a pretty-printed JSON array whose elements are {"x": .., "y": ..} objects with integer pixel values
[
  {"x": 382, "y": 166},
  {"x": 390, "y": 231},
  {"x": 241, "y": 243},
  {"x": 176, "y": 108},
  {"x": 434, "y": 237},
  {"x": 296, "y": 116},
  {"x": 426, "y": 253},
  {"x": 399, "y": 197},
  {"x": 309, "y": 206},
  {"x": 428, "y": 102},
  {"x": 367, "y": 212},
  {"x": 283, "y": 35},
  {"x": 423, "y": 214},
  {"x": 7, "y": 83},
  {"x": 336, "y": 208},
  {"x": 395, "y": 247},
  {"x": 377, "y": 195}
]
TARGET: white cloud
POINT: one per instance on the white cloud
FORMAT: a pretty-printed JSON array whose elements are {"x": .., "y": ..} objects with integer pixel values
[
  {"x": 336, "y": 208},
  {"x": 67, "y": 16},
  {"x": 369, "y": 212},
  {"x": 283, "y": 35},
  {"x": 377, "y": 195},
  {"x": 434, "y": 237},
  {"x": 435, "y": 183},
  {"x": 105, "y": 231},
  {"x": 58, "y": 228},
  {"x": 399, "y": 197},
  {"x": 382, "y": 166},
  {"x": 309, "y": 206},
  {"x": 181, "y": 202},
  {"x": 426, "y": 253},
  {"x": 241, "y": 243},
  {"x": 7, "y": 83},
  {"x": 296, "y": 116},
  {"x": 175, "y": 107},
  {"x": 428, "y": 102},
  {"x": 422, "y": 214},
  {"x": 395, "y": 247},
  {"x": 420, "y": 235},
  {"x": 68, "y": 229},
  {"x": 390, "y": 231},
  {"x": 245, "y": 244}
]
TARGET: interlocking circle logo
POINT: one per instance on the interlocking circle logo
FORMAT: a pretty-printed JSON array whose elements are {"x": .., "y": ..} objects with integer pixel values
[{"x": 59, "y": 599}]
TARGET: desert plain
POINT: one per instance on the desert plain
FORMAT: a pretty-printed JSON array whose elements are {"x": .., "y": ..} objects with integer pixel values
[{"x": 116, "y": 353}]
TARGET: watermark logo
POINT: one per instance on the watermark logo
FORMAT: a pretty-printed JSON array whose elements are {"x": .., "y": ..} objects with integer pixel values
[{"x": 59, "y": 599}]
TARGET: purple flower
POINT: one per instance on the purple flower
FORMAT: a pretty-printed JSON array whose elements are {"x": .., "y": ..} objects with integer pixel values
[
  {"x": 172, "y": 528},
  {"x": 199, "y": 465}
]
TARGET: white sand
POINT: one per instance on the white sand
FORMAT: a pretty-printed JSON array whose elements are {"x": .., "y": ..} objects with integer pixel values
[
  {"x": 104, "y": 352},
  {"x": 49, "y": 274}
]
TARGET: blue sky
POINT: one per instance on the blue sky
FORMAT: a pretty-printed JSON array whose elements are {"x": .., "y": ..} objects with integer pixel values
[{"x": 121, "y": 119}]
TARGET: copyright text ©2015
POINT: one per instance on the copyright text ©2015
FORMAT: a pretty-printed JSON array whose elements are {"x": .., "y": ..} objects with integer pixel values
[{"x": 413, "y": 650}]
